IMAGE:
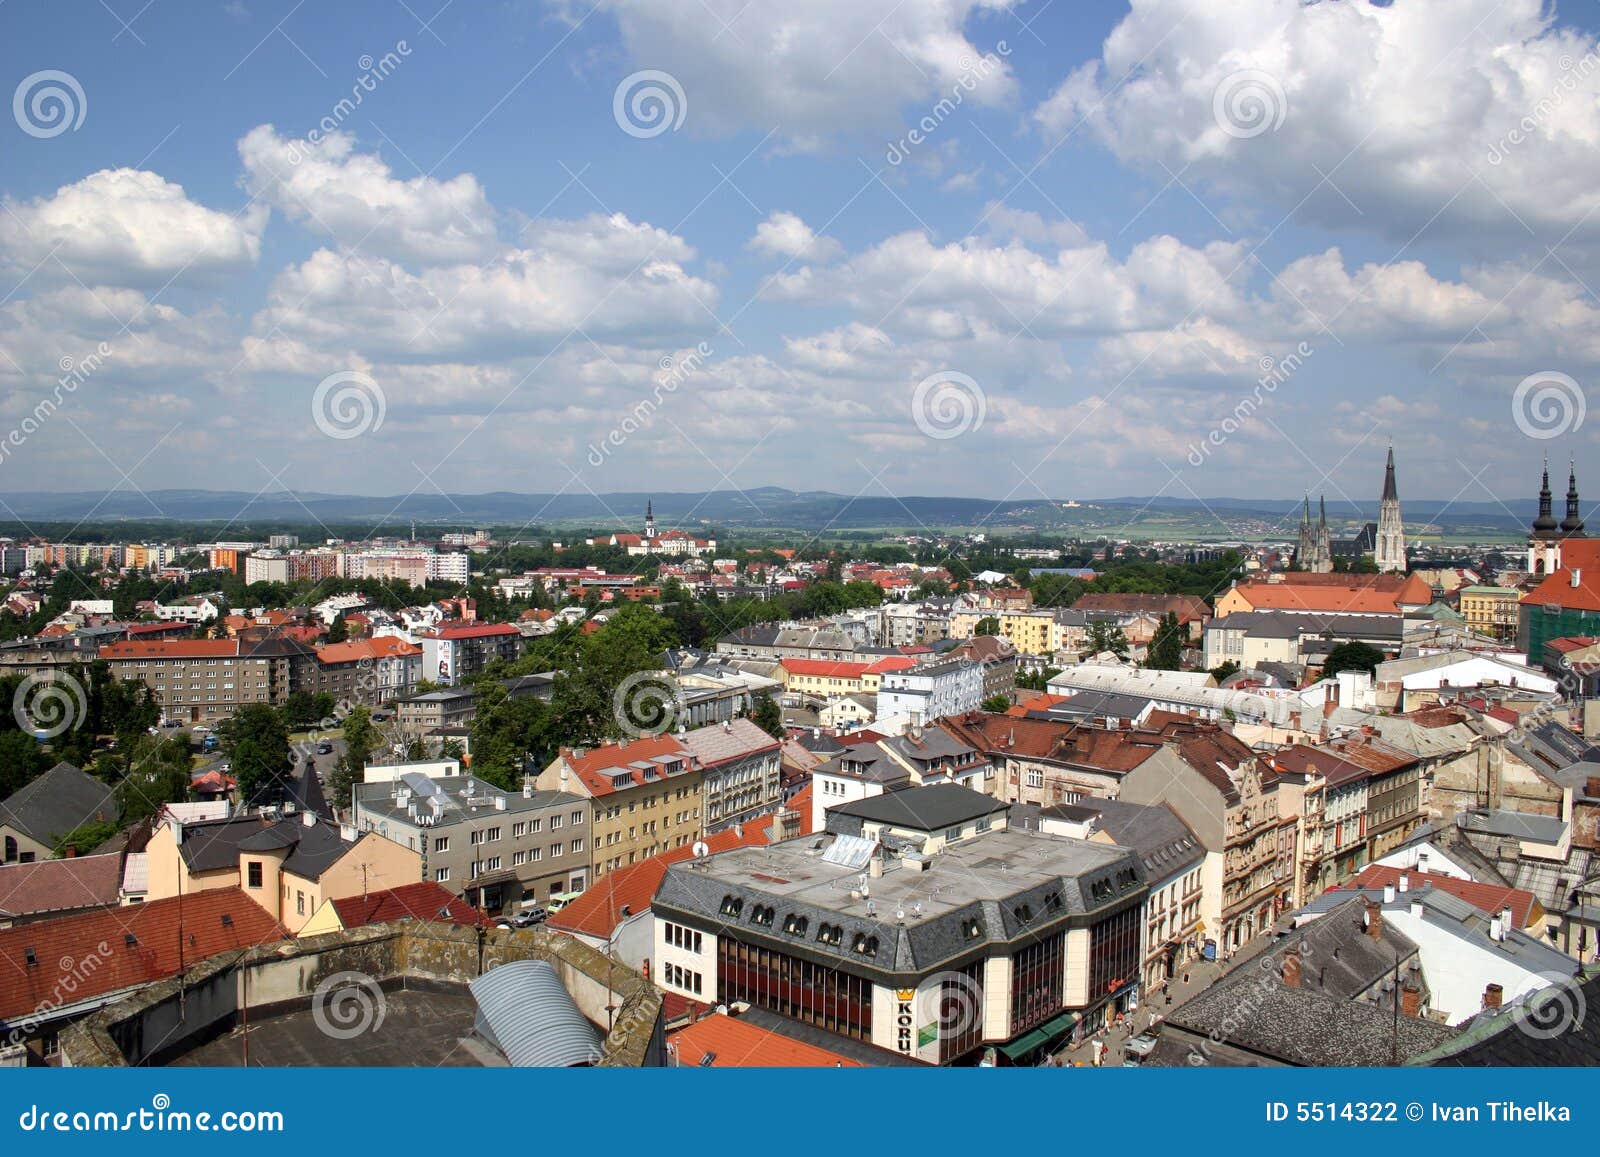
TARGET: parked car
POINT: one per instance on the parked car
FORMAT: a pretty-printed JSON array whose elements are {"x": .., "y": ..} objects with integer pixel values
[
  {"x": 324, "y": 749},
  {"x": 560, "y": 900},
  {"x": 523, "y": 918}
]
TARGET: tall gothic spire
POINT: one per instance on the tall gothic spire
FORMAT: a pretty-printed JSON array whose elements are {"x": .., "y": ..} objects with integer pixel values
[
  {"x": 1322, "y": 508},
  {"x": 1572, "y": 524},
  {"x": 1545, "y": 524},
  {"x": 1390, "y": 491}
]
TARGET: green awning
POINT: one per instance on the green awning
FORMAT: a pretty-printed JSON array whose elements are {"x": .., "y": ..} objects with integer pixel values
[{"x": 1047, "y": 1032}]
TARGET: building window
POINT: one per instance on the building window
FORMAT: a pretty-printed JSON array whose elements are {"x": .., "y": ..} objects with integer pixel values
[
  {"x": 816, "y": 994},
  {"x": 253, "y": 873},
  {"x": 441, "y": 875},
  {"x": 555, "y": 850},
  {"x": 576, "y": 818},
  {"x": 1037, "y": 975},
  {"x": 300, "y": 903},
  {"x": 441, "y": 843}
]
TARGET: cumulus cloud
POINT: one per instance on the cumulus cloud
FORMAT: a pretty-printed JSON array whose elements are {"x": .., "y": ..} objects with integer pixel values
[
  {"x": 785, "y": 235},
  {"x": 128, "y": 227},
  {"x": 356, "y": 200},
  {"x": 599, "y": 277},
  {"x": 1481, "y": 111},
  {"x": 818, "y": 69}
]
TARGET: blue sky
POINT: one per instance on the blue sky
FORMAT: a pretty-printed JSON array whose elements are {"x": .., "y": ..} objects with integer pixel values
[{"x": 1174, "y": 247}]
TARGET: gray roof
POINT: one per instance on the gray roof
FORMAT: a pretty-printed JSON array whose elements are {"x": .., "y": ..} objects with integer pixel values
[
  {"x": 57, "y": 801},
  {"x": 1517, "y": 825},
  {"x": 1162, "y": 840},
  {"x": 456, "y": 804},
  {"x": 1002, "y": 887},
  {"x": 1096, "y": 705},
  {"x": 926, "y": 809},
  {"x": 527, "y": 1013},
  {"x": 212, "y": 845},
  {"x": 1251, "y": 1016},
  {"x": 1294, "y": 624},
  {"x": 1549, "y": 1034},
  {"x": 312, "y": 848}
]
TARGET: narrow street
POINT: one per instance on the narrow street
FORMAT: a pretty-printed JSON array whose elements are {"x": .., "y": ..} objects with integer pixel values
[{"x": 1202, "y": 974}]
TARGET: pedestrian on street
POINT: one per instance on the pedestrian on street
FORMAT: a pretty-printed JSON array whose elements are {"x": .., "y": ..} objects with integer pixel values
[{"x": 1099, "y": 1053}]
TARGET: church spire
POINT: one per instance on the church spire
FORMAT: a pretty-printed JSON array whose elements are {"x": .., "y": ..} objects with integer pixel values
[
  {"x": 1390, "y": 491},
  {"x": 1545, "y": 524},
  {"x": 1322, "y": 509},
  {"x": 1572, "y": 524}
]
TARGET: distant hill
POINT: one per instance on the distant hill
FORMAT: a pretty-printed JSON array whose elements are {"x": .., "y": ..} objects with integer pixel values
[{"x": 767, "y": 507}]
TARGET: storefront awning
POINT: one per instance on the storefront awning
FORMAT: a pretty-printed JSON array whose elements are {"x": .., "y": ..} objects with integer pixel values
[{"x": 1047, "y": 1032}]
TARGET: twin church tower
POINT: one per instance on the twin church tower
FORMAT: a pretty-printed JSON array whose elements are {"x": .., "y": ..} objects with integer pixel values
[{"x": 1385, "y": 539}]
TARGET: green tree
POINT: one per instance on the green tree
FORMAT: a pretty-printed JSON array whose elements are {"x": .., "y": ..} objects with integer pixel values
[
  {"x": 1222, "y": 672},
  {"x": 1104, "y": 635},
  {"x": 987, "y": 626},
  {"x": 256, "y": 741},
  {"x": 1166, "y": 646},
  {"x": 21, "y": 759},
  {"x": 361, "y": 738},
  {"x": 1351, "y": 657},
  {"x": 85, "y": 838},
  {"x": 338, "y": 630},
  {"x": 157, "y": 773},
  {"x": 768, "y": 716},
  {"x": 996, "y": 704}
]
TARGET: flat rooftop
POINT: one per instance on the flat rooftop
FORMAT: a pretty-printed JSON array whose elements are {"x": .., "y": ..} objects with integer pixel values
[
  {"x": 430, "y": 1028},
  {"x": 993, "y": 866}
]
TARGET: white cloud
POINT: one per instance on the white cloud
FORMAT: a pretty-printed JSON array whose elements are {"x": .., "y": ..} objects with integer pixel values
[
  {"x": 355, "y": 199},
  {"x": 128, "y": 227},
  {"x": 1411, "y": 108},
  {"x": 817, "y": 69},
  {"x": 786, "y": 235},
  {"x": 600, "y": 278}
]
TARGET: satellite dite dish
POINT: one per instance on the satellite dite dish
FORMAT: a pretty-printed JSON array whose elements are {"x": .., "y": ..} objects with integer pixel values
[{"x": 700, "y": 849}]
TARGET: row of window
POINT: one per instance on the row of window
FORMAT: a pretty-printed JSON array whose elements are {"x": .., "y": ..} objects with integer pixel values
[
  {"x": 682, "y": 978},
  {"x": 680, "y": 937}
]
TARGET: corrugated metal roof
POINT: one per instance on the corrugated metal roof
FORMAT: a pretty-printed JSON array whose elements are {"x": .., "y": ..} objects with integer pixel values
[{"x": 527, "y": 1013}]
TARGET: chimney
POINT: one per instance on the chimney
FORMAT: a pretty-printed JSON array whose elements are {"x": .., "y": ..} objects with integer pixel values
[
  {"x": 1497, "y": 931},
  {"x": 1374, "y": 919},
  {"x": 1405, "y": 883},
  {"x": 1416, "y": 909},
  {"x": 1388, "y": 893},
  {"x": 308, "y": 819},
  {"x": 1291, "y": 968},
  {"x": 1493, "y": 994},
  {"x": 70, "y": 851},
  {"x": 1507, "y": 921},
  {"x": 1410, "y": 999}
]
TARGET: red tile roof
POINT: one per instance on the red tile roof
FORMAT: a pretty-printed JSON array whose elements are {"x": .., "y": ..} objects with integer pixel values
[
  {"x": 1490, "y": 898},
  {"x": 170, "y": 648},
  {"x": 733, "y": 1043},
  {"x": 382, "y": 647},
  {"x": 420, "y": 901},
  {"x": 60, "y": 885},
  {"x": 64, "y": 948},
  {"x": 1577, "y": 554},
  {"x": 831, "y": 668},
  {"x": 595, "y": 767},
  {"x": 474, "y": 630}
]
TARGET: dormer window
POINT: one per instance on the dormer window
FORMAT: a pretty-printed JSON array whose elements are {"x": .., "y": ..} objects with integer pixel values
[
  {"x": 732, "y": 905},
  {"x": 762, "y": 915},
  {"x": 796, "y": 925}
]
